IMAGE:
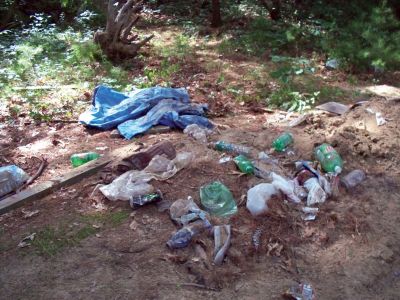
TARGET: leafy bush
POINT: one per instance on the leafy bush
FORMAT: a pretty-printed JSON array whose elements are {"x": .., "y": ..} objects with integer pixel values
[{"x": 371, "y": 40}]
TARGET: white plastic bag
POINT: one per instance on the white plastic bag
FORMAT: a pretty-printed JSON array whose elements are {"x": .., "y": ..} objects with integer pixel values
[
  {"x": 285, "y": 186},
  {"x": 258, "y": 197},
  {"x": 198, "y": 133}
]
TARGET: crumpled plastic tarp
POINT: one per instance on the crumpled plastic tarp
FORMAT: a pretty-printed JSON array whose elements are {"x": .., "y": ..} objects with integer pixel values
[{"x": 141, "y": 109}]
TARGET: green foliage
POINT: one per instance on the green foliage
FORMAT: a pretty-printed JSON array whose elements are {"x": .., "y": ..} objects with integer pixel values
[
  {"x": 65, "y": 61},
  {"x": 290, "y": 67},
  {"x": 371, "y": 40},
  {"x": 288, "y": 99},
  {"x": 51, "y": 240}
]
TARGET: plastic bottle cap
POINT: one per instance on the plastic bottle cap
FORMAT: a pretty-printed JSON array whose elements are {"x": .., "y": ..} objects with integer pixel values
[{"x": 338, "y": 170}]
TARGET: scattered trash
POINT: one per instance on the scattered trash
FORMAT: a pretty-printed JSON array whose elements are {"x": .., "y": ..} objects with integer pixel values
[
  {"x": 244, "y": 164},
  {"x": 286, "y": 186},
  {"x": 140, "y": 200},
  {"x": 307, "y": 171},
  {"x": 134, "y": 183},
  {"x": 11, "y": 178},
  {"x": 217, "y": 199},
  {"x": 258, "y": 197},
  {"x": 29, "y": 214},
  {"x": 26, "y": 241},
  {"x": 334, "y": 107},
  {"x": 264, "y": 157},
  {"x": 79, "y": 159},
  {"x": 230, "y": 148},
  {"x": 261, "y": 173},
  {"x": 183, "y": 237},
  {"x": 197, "y": 132},
  {"x": 300, "y": 119},
  {"x": 141, "y": 160},
  {"x": 141, "y": 109},
  {"x": 101, "y": 148},
  {"x": 315, "y": 192},
  {"x": 302, "y": 291},
  {"x": 222, "y": 240},
  {"x": 332, "y": 64},
  {"x": 184, "y": 211},
  {"x": 282, "y": 141},
  {"x": 380, "y": 120},
  {"x": 224, "y": 159},
  {"x": 256, "y": 238},
  {"x": 329, "y": 159},
  {"x": 309, "y": 217},
  {"x": 310, "y": 210},
  {"x": 353, "y": 179}
]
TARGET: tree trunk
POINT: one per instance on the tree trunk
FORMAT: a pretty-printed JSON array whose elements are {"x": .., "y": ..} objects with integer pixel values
[
  {"x": 117, "y": 41},
  {"x": 216, "y": 20},
  {"x": 273, "y": 7}
]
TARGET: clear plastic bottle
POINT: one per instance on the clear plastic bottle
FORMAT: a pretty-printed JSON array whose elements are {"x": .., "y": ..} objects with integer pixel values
[
  {"x": 232, "y": 148},
  {"x": 79, "y": 159},
  {"x": 282, "y": 141},
  {"x": 353, "y": 179},
  {"x": 244, "y": 164},
  {"x": 329, "y": 159}
]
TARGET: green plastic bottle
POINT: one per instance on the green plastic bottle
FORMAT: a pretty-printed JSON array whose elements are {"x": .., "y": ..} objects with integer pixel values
[
  {"x": 79, "y": 159},
  {"x": 228, "y": 147},
  {"x": 244, "y": 164},
  {"x": 329, "y": 159},
  {"x": 282, "y": 141}
]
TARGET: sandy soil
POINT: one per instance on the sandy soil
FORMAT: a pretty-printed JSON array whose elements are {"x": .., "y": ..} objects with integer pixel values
[{"x": 351, "y": 251}]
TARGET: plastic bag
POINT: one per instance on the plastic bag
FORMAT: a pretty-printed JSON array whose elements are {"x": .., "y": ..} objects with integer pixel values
[
  {"x": 285, "y": 186},
  {"x": 184, "y": 211},
  {"x": 197, "y": 132},
  {"x": 11, "y": 178},
  {"x": 258, "y": 197},
  {"x": 316, "y": 194},
  {"x": 217, "y": 199},
  {"x": 133, "y": 183}
]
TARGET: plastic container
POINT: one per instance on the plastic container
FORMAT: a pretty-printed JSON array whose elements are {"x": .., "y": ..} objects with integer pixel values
[
  {"x": 140, "y": 200},
  {"x": 79, "y": 159},
  {"x": 230, "y": 148},
  {"x": 217, "y": 199},
  {"x": 244, "y": 164},
  {"x": 329, "y": 159},
  {"x": 282, "y": 141},
  {"x": 11, "y": 178}
]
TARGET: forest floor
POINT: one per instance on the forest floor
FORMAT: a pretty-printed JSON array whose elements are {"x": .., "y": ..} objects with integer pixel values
[{"x": 87, "y": 247}]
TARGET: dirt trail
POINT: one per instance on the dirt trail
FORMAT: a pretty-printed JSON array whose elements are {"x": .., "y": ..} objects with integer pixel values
[{"x": 351, "y": 251}]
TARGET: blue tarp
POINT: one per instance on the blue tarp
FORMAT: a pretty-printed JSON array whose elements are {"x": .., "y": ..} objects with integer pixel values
[{"x": 143, "y": 108}]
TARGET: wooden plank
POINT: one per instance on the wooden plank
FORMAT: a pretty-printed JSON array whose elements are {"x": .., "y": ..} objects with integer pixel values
[{"x": 74, "y": 176}]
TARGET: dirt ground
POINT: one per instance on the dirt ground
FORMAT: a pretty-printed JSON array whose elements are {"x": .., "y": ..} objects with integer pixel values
[{"x": 87, "y": 247}]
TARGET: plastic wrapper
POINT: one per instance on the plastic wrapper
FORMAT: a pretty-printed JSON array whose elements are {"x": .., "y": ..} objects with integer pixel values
[
  {"x": 217, "y": 199},
  {"x": 197, "y": 132},
  {"x": 11, "y": 178},
  {"x": 316, "y": 194},
  {"x": 184, "y": 211},
  {"x": 285, "y": 186}
]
